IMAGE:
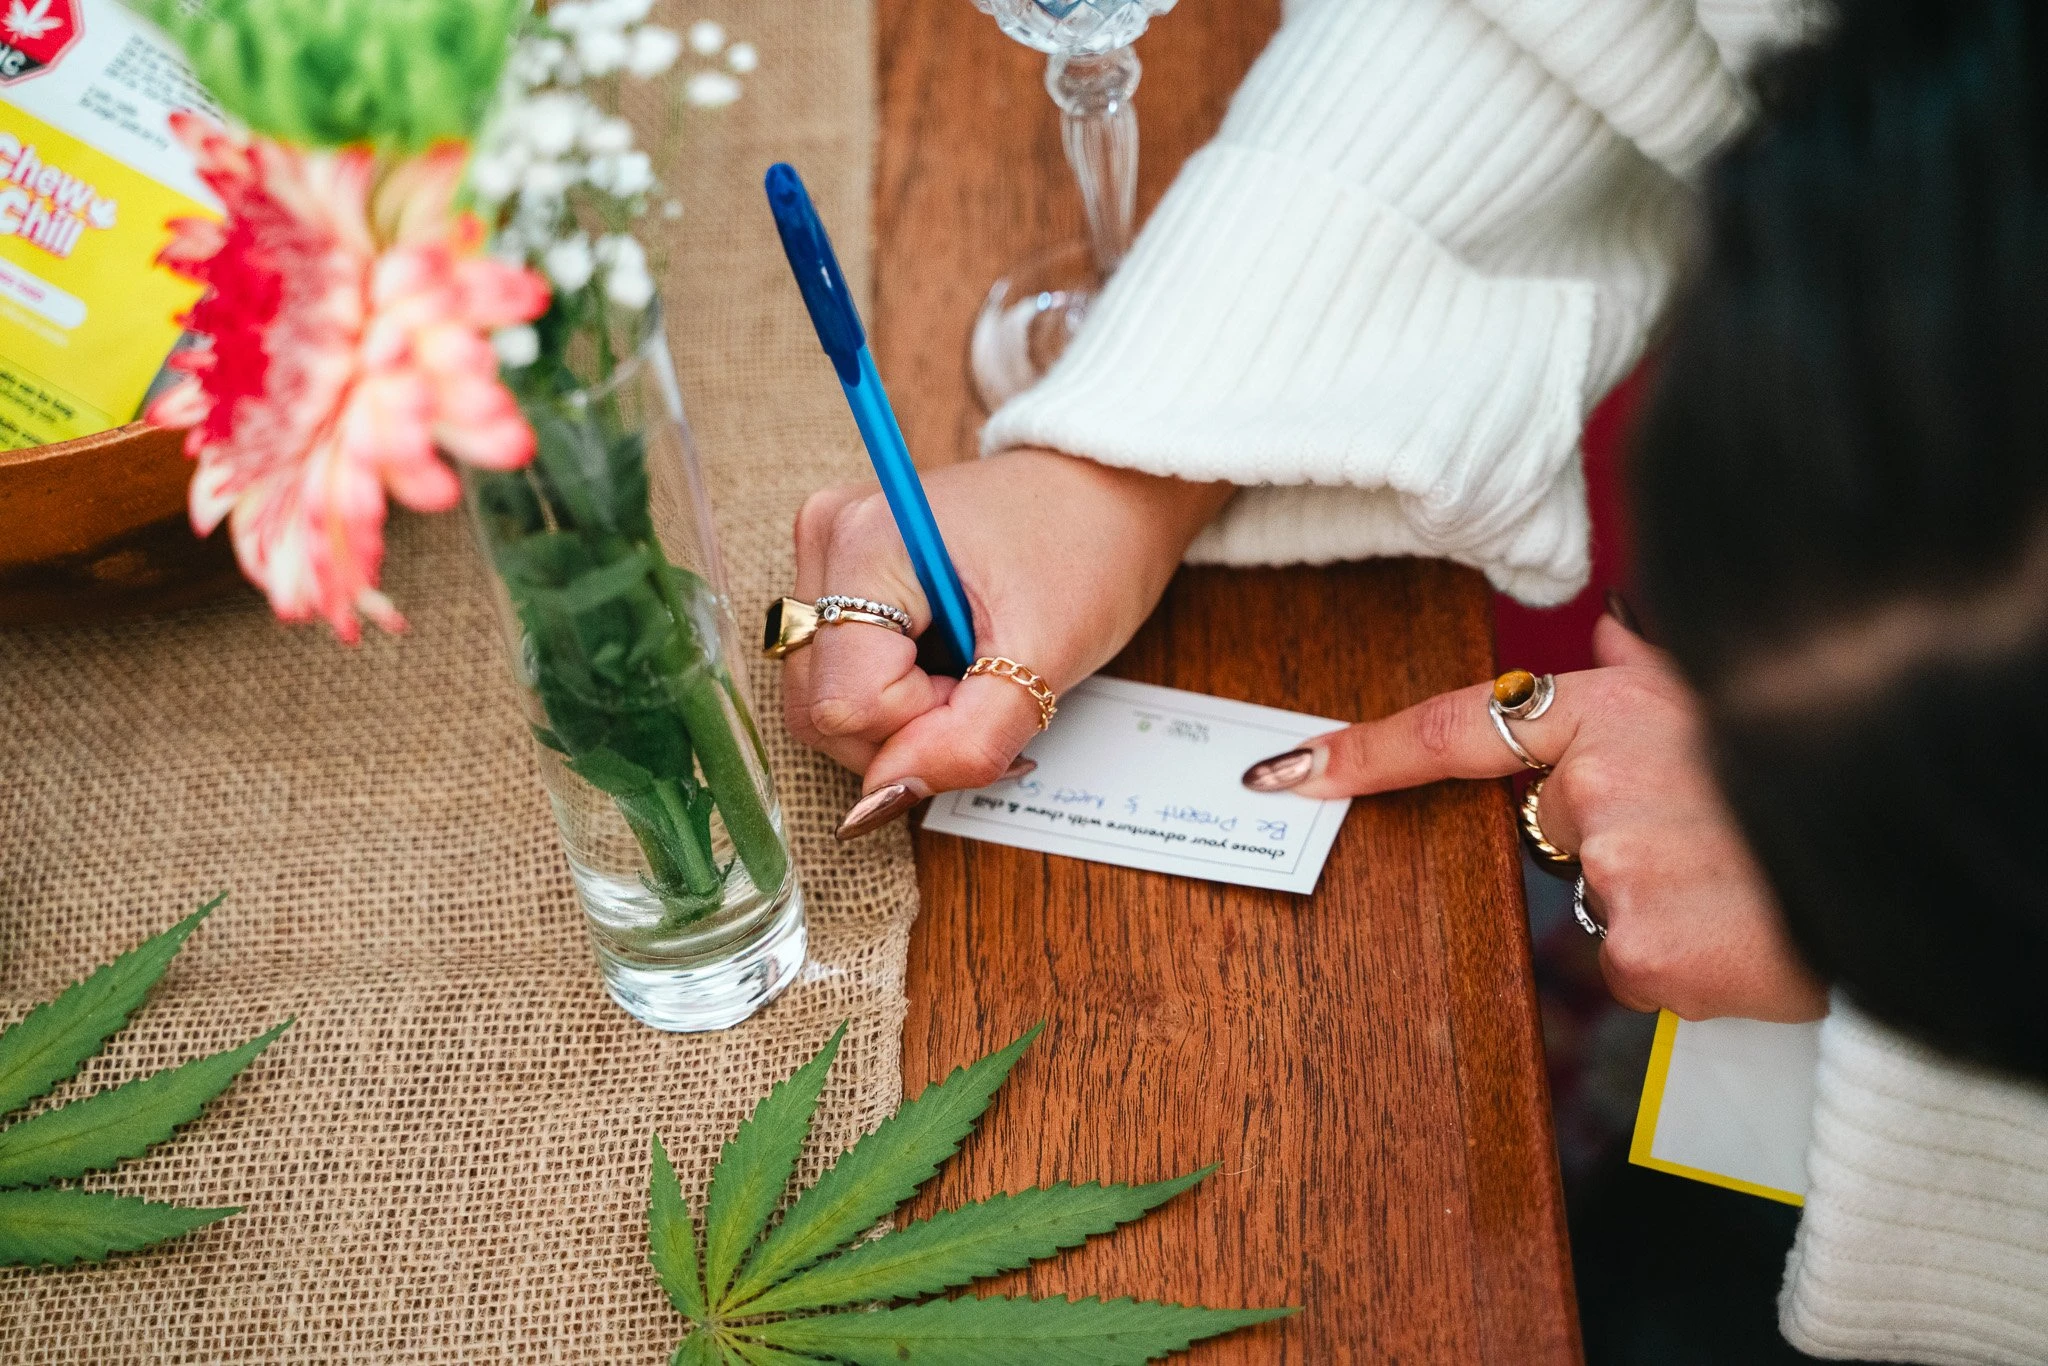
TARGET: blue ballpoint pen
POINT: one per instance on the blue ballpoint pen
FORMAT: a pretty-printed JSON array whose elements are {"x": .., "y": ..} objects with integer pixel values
[{"x": 839, "y": 331}]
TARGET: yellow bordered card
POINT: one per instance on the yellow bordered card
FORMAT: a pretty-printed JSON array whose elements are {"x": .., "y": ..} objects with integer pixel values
[
  {"x": 1730, "y": 1102},
  {"x": 89, "y": 172}
]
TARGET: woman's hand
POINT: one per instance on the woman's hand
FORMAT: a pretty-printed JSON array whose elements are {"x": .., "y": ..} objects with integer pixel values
[
  {"x": 1691, "y": 924},
  {"x": 1063, "y": 559}
]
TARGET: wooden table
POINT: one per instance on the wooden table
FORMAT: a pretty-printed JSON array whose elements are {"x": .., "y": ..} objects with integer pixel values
[{"x": 1364, "y": 1064}]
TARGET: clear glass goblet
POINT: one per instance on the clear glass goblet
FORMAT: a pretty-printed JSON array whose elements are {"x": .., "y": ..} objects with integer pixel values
[{"x": 1033, "y": 311}]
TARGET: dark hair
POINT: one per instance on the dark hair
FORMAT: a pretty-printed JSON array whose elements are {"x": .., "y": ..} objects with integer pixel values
[{"x": 1842, "y": 492}]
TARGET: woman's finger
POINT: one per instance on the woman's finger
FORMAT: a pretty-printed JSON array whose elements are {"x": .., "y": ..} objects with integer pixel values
[
  {"x": 865, "y": 683},
  {"x": 970, "y": 741},
  {"x": 1614, "y": 643},
  {"x": 1452, "y": 735},
  {"x": 812, "y": 534}
]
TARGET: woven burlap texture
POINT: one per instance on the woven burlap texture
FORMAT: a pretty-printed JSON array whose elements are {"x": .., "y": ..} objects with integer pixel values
[{"x": 446, "y": 1159}]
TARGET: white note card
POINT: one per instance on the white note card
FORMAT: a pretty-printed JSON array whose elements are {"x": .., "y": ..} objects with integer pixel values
[
  {"x": 1730, "y": 1102},
  {"x": 1147, "y": 777}
]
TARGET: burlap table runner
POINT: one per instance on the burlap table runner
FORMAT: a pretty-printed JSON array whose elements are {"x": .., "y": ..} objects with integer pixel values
[{"x": 446, "y": 1159}]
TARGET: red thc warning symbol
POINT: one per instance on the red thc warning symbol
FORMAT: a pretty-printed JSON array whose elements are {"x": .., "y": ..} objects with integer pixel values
[{"x": 34, "y": 34}]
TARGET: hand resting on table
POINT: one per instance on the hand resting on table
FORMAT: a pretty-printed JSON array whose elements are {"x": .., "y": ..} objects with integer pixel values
[{"x": 1692, "y": 926}]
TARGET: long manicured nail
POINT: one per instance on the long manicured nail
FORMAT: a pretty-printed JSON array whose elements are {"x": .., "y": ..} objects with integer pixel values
[
  {"x": 1282, "y": 771},
  {"x": 880, "y": 807},
  {"x": 1018, "y": 768},
  {"x": 1618, "y": 608}
]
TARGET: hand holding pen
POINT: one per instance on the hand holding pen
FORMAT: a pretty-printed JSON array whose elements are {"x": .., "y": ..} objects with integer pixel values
[{"x": 1060, "y": 558}]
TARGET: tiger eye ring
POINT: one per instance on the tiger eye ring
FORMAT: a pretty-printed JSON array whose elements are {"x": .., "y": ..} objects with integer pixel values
[{"x": 1519, "y": 695}]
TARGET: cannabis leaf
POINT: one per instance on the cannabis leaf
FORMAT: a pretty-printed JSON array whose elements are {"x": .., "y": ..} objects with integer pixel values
[
  {"x": 61, "y": 1224},
  {"x": 29, "y": 23},
  {"x": 809, "y": 1291}
]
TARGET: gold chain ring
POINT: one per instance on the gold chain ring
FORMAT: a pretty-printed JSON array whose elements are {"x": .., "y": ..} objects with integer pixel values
[{"x": 997, "y": 666}]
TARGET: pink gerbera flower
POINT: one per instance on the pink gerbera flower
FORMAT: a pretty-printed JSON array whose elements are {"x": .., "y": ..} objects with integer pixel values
[{"x": 349, "y": 311}]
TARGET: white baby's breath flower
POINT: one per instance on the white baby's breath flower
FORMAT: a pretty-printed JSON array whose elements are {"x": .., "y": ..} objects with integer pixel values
[
  {"x": 507, "y": 147},
  {"x": 620, "y": 251},
  {"x": 494, "y": 178},
  {"x": 509, "y": 246},
  {"x": 535, "y": 59},
  {"x": 620, "y": 13},
  {"x": 569, "y": 263},
  {"x": 625, "y": 176},
  {"x": 635, "y": 175},
  {"x": 517, "y": 347},
  {"x": 567, "y": 16},
  {"x": 608, "y": 137},
  {"x": 706, "y": 37},
  {"x": 743, "y": 57},
  {"x": 655, "y": 50},
  {"x": 601, "y": 51},
  {"x": 550, "y": 122},
  {"x": 546, "y": 181},
  {"x": 673, "y": 209},
  {"x": 536, "y": 227},
  {"x": 629, "y": 288},
  {"x": 711, "y": 89}
]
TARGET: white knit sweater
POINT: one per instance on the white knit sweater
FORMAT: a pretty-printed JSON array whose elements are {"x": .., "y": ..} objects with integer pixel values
[{"x": 1430, "y": 236}]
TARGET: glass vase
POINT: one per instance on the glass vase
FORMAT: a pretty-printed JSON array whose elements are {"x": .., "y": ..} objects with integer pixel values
[{"x": 621, "y": 638}]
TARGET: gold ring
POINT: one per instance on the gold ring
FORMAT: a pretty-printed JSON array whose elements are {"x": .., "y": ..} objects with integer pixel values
[
  {"x": 791, "y": 624},
  {"x": 996, "y": 665},
  {"x": 1548, "y": 854}
]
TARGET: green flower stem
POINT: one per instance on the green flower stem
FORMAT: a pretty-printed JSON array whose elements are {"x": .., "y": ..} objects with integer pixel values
[
  {"x": 701, "y": 699},
  {"x": 699, "y": 872},
  {"x": 636, "y": 699}
]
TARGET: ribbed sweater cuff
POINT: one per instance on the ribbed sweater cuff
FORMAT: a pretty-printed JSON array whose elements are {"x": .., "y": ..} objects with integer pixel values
[
  {"x": 1924, "y": 1237},
  {"x": 1277, "y": 327}
]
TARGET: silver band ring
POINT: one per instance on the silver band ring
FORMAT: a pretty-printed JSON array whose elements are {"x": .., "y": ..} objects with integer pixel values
[
  {"x": 792, "y": 623},
  {"x": 834, "y": 606},
  {"x": 835, "y": 616},
  {"x": 1519, "y": 695},
  {"x": 1585, "y": 917}
]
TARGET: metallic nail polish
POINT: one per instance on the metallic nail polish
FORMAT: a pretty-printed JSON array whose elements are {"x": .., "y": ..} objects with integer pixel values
[
  {"x": 880, "y": 807},
  {"x": 1281, "y": 772}
]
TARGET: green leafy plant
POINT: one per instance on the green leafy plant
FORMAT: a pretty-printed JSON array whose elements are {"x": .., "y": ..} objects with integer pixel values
[
  {"x": 42, "y": 1221},
  {"x": 328, "y": 73},
  {"x": 620, "y": 643},
  {"x": 806, "y": 1288}
]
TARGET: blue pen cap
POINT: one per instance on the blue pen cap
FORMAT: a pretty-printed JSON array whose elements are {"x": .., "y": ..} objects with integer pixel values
[{"x": 817, "y": 271}]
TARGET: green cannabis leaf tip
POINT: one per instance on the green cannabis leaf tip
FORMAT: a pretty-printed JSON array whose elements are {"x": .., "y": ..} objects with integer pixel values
[
  {"x": 808, "y": 1290},
  {"x": 60, "y": 1224},
  {"x": 754, "y": 1171},
  {"x": 878, "y": 1173},
  {"x": 64, "y": 1225},
  {"x": 1009, "y": 1332},
  {"x": 55, "y": 1039}
]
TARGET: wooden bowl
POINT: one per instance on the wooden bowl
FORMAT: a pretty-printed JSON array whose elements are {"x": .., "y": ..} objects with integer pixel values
[{"x": 96, "y": 527}]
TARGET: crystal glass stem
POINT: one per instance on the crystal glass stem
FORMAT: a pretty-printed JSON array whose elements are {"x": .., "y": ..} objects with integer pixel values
[{"x": 1099, "y": 128}]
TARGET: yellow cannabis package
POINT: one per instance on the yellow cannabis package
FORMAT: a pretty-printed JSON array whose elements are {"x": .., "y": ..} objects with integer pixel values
[{"x": 89, "y": 173}]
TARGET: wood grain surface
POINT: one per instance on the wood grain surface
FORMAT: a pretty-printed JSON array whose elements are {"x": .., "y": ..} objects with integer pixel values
[
  {"x": 97, "y": 527},
  {"x": 1364, "y": 1064}
]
